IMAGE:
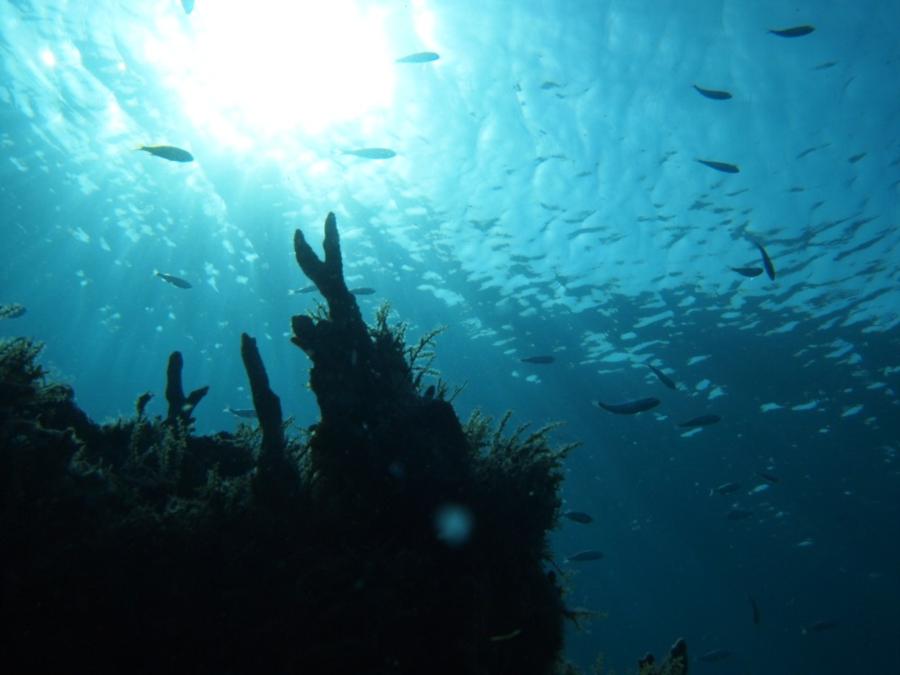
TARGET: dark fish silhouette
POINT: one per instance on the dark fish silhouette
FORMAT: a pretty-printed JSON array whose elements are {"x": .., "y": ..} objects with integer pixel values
[
  {"x": 748, "y": 271},
  {"x": 372, "y": 153},
  {"x": 538, "y": 359},
  {"x": 172, "y": 279},
  {"x": 584, "y": 556},
  {"x": 363, "y": 290},
  {"x": 767, "y": 261},
  {"x": 820, "y": 626},
  {"x": 714, "y": 94},
  {"x": 770, "y": 478},
  {"x": 724, "y": 489},
  {"x": 715, "y": 656},
  {"x": 795, "y": 31},
  {"x": 246, "y": 413},
  {"x": 757, "y": 617},
  {"x": 701, "y": 421},
  {"x": 578, "y": 517},
  {"x": 11, "y": 311},
  {"x": 419, "y": 57},
  {"x": 168, "y": 152},
  {"x": 188, "y": 6},
  {"x": 738, "y": 514},
  {"x": 429, "y": 393},
  {"x": 724, "y": 167},
  {"x": 630, "y": 407},
  {"x": 665, "y": 379}
]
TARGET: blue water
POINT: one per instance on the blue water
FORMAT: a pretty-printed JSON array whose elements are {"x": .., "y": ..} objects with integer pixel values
[{"x": 544, "y": 199}]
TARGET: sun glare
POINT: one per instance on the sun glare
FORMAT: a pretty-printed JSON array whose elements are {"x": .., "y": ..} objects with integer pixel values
[{"x": 250, "y": 72}]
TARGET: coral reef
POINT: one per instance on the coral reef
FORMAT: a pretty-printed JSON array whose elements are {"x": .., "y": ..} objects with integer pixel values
[{"x": 391, "y": 539}]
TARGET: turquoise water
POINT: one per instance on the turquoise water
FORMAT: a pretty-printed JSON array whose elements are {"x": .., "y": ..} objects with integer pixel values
[{"x": 543, "y": 198}]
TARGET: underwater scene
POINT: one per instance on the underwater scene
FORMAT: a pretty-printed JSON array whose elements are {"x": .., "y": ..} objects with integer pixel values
[{"x": 444, "y": 336}]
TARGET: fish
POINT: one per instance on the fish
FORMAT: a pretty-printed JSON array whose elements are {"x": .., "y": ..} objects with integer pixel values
[
  {"x": 585, "y": 556},
  {"x": 172, "y": 279},
  {"x": 820, "y": 626},
  {"x": 701, "y": 421},
  {"x": 246, "y": 413},
  {"x": 188, "y": 6},
  {"x": 724, "y": 167},
  {"x": 768, "y": 477},
  {"x": 306, "y": 289},
  {"x": 12, "y": 311},
  {"x": 738, "y": 514},
  {"x": 429, "y": 393},
  {"x": 372, "y": 153},
  {"x": 724, "y": 489},
  {"x": 715, "y": 656},
  {"x": 795, "y": 31},
  {"x": 749, "y": 272},
  {"x": 418, "y": 57},
  {"x": 506, "y": 636},
  {"x": 665, "y": 379},
  {"x": 767, "y": 261},
  {"x": 630, "y": 407},
  {"x": 757, "y": 617},
  {"x": 714, "y": 94},
  {"x": 168, "y": 152},
  {"x": 578, "y": 517},
  {"x": 362, "y": 290},
  {"x": 538, "y": 359}
]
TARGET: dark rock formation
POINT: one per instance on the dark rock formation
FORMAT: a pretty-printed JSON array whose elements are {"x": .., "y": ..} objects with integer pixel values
[{"x": 392, "y": 539}]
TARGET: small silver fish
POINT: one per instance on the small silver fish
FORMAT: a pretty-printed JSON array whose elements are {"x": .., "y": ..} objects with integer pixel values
[
  {"x": 584, "y": 556},
  {"x": 169, "y": 152},
  {"x": 419, "y": 57},
  {"x": 246, "y": 413},
  {"x": 578, "y": 517},
  {"x": 372, "y": 153},
  {"x": 172, "y": 279}
]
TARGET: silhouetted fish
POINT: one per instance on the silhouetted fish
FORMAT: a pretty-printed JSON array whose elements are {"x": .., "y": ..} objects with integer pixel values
[
  {"x": 578, "y": 517},
  {"x": 188, "y": 6},
  {"x": 768, "y": 477},
  {"x": 820, "y": 626},
  {"x": 419, "y": 57},
  {"x": 372, "y": 153},
  {"x": 757, "y": 617},
  {"x": 748, "y": 271},
  {"x": 795, "y": 31},
  {"x": 584, "y": 556},
  {"x": 538, "y": 359},
  {"x": 767, "y": 261},
  {"x": 630, "y": 407},
  {"x": 172, "y": 279},
  {"x": 168, "y": 152},
  {"x": 724, "y": 167},
  {"x": 429, "y": 393},
  {"x": 738, "y": 514},
  {"x": 11, "y": 311},
  {"x": 701, "y": 421},
  {"x": 246, "y": 413},
  {"x": 362, "y": 290},
  {"x": 715, "y": 656},
  {"x": 715, "y": 94},
  {"x": 724, "y": 489},
  {"x": 306, "y": 289},
  {"x": 665, "y": 379}
]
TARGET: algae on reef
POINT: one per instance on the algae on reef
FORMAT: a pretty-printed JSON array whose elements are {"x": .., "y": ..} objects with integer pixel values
[{"x": 138, "y": 547}]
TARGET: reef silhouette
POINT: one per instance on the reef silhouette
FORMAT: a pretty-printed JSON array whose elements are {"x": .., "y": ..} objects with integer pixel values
[{"x": 390, "y": 539}]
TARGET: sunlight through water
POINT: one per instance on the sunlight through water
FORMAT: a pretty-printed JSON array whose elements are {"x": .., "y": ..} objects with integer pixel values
[{"x": 250, "y": 73}]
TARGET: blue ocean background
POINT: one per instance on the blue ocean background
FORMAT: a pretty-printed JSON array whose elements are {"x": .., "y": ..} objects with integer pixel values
[{"x": 544, "y": 199}]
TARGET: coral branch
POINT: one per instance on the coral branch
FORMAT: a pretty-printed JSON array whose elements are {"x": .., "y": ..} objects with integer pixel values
[{"x": 181, "y": 407}]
